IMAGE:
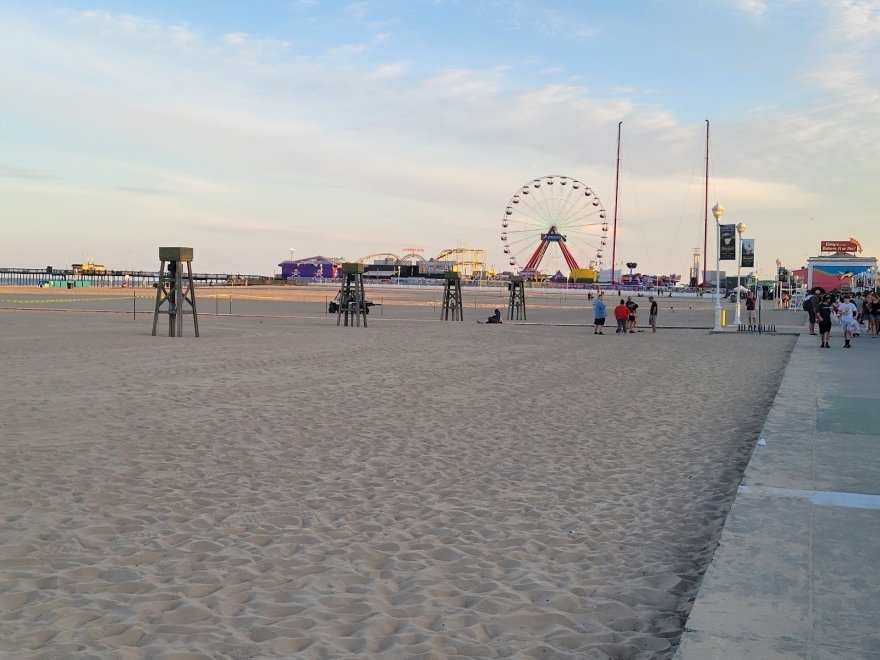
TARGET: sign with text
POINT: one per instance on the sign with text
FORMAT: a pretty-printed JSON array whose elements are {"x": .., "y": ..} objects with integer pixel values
[
  {"x": 852, "y": 245},
  {"x": 747, "y": 253},
  {"x": 727, "y": 249}
]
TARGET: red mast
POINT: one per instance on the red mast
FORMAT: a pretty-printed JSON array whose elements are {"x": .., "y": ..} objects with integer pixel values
[
  {"x": 616, "y": 190},
  {"x": 706, "y": 206}
]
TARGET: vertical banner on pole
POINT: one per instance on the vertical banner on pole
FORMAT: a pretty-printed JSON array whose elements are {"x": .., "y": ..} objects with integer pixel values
[
  {"x": 727, "y": 249},
  {"x": 747, "y": 253}
]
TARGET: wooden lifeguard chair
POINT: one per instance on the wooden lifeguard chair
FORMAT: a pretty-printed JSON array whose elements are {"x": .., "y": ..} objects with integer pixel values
[
  {"x": 352, "y": 299},
  {"x": 176, "y": 289},
  {"x": 516, "y": 305},
  {"x": 452, "y": 297}
]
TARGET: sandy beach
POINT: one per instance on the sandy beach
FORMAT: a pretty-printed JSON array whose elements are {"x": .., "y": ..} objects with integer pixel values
[{"x": 283, "y": 487}]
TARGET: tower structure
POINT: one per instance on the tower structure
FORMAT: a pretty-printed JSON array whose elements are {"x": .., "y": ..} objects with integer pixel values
[
  {"x": 175, "y": 291},
  {"x": 516, "y": 304},
  {"x": 352, "y": 299},
  {"x": 695, "y": 269},
  {"x": 452, "y": 297}
]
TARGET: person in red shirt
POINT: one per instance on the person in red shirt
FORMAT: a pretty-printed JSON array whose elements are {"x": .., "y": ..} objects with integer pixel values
[
  {"x": 750, "y": 308},
  {"x": 621, "y": 315}
]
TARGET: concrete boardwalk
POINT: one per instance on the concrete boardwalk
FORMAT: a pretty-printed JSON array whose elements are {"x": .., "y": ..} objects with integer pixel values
[{"x": 797, "y": 571}]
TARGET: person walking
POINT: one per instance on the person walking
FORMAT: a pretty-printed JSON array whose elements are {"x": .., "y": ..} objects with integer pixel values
[
  {"x": 824, "y": 317},
  {"x": 599, "y": 310},
  {"x": 865, "y": 311},
  {"x": 652, "y": 315},
  {"x": 848, "y": 311},
  {"x": 811, "y": 307},
  {"x": 875, "y": 314},
  {"x": 621, "y": 315}
]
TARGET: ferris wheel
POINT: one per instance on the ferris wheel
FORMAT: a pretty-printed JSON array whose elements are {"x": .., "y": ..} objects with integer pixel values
[{"x": 554, "y": 224}]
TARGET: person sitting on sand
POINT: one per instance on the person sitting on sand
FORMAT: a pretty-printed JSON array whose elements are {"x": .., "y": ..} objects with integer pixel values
[{"x": 495, "y": 318}]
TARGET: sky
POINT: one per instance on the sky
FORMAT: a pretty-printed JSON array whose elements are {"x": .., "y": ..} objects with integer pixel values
[{"x": 260, "y": 130}]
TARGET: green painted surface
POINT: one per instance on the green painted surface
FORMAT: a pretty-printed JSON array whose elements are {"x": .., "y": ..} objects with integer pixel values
[{"x": 851, "y": 414}]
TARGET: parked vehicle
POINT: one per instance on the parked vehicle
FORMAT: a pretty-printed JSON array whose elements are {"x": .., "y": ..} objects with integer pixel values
[{"x": 333, "y": 307}]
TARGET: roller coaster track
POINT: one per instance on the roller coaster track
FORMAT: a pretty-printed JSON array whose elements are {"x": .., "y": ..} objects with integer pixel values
[{"x": 379, "y": 255}]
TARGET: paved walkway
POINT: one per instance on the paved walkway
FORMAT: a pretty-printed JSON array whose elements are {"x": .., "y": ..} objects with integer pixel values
[{"x": 797, "y": 571}]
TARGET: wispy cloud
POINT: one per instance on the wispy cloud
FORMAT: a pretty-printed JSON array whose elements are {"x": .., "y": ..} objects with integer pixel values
[
  {"x": 11, "y": 172},
  {"x": 353, "y": 49},
  {"x": 144, "y": 190},
  {"x": 855, "y": 20},
  {"x": 522, "y": 15},
  {"x": 754, "y": 7},
  {"x": 129, "y": 26}
]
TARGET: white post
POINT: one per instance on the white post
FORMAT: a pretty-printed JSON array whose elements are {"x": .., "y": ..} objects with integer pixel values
[
  {"x": 740, "y": 229},
  {"x": 718, "y": 211},
  {"x": 738, "y": 320},
  {"x": 777, "y": 290}
]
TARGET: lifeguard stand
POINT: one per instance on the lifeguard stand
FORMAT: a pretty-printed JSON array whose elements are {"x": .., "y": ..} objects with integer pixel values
[
  {"x": 176, "y": 289},
  {"x": 517, "y": 302},
  {"x": 352, "y": 299},
  {"x": 452, "y": 297}
]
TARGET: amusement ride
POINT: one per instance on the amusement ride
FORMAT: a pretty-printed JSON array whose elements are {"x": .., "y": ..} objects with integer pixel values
[{"x": 554, "y": 225}]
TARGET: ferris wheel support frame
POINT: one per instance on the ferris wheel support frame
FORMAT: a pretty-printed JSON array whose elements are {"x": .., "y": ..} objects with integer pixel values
[{"x": 552, "y": 236}]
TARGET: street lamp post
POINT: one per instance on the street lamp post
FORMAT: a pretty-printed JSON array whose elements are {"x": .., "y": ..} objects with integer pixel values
[
  {"x": 718, "y": 211},
  {"x": 777, "y": 290},
  {"x": 740, "y": 229}
]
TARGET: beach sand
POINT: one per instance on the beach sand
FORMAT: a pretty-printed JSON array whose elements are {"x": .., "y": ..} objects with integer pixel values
[{"x": 283, "y": 487}]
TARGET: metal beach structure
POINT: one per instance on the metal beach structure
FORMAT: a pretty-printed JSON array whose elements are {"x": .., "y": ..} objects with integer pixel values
[
  {"x": 452, "y": 297},
  {"x": 175, "y": 290},
  {"x": 352, "y": 299},
  {"x": 516, "y": 305}
]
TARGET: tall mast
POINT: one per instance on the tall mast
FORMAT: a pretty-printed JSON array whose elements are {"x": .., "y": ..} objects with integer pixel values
[
  {"x": 706, "y": 206},
  {"x": 616, "y": 190}
]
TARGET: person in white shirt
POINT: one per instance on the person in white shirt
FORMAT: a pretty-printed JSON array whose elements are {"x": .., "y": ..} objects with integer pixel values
[{"x": 847, "y": 311}]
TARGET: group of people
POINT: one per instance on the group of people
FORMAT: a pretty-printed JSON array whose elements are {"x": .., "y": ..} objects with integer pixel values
[
  {"x": 626, "y": 314},
  {"x": 846, "y": 311}
]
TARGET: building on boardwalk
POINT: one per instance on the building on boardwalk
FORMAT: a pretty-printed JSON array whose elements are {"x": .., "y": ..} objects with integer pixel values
[
  {"x": 838, "y": 270},
  {"x": 314, "y": 267}
]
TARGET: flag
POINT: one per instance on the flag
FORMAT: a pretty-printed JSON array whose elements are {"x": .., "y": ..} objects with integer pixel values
[
  {"x": 727, "y": 248},
  {"x": 747, "y": 253}
]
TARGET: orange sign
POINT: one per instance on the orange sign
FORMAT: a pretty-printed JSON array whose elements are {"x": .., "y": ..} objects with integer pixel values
[{"x": 852, "y": 245}]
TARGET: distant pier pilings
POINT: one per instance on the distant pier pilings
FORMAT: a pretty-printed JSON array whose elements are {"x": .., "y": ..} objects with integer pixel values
[{"x": 69, "y": 279}]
